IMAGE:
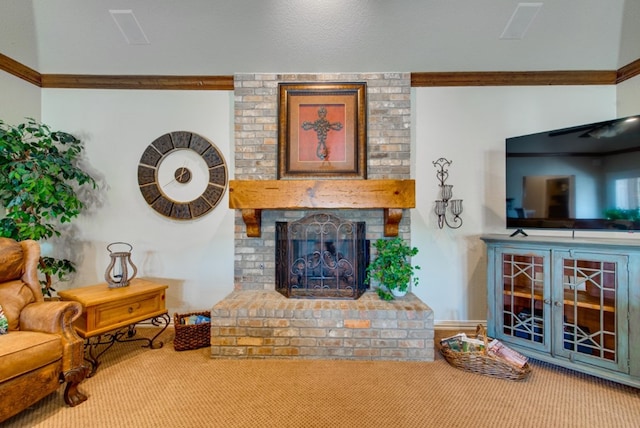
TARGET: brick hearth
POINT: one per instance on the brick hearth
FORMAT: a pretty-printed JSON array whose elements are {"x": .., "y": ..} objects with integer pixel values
[{"x": 262, "y": 324}]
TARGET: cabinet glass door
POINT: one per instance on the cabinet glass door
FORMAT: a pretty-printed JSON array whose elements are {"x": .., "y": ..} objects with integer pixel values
[
  {"x": 590, "y": 308},
  {"x": 523, "y": 317}
]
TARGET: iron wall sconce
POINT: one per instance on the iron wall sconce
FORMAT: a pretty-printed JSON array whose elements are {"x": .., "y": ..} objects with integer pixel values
[{"x": 454, "y": 205}]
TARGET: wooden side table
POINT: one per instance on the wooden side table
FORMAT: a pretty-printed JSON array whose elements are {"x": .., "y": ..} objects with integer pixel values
[{"x": 110, "y": 314}]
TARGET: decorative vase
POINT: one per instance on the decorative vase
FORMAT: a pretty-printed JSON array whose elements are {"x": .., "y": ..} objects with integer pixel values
[{"x": 398, "y": 293}]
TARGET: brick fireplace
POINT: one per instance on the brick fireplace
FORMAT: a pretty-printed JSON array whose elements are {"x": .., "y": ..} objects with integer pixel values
[{"x": 255, "y": 320}]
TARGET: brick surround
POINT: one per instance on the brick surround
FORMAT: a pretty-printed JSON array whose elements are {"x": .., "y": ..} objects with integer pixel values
[{"x": 253, "y": 316}]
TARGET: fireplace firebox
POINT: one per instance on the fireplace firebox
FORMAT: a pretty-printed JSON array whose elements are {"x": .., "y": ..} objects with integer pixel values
[{"x": 321, "y": 256}]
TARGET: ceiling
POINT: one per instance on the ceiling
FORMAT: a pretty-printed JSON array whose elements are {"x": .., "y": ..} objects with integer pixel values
[{"x": 223, "y": 37}]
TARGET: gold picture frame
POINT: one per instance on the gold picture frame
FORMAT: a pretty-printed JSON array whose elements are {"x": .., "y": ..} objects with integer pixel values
[{"x": 322, "y": 130}]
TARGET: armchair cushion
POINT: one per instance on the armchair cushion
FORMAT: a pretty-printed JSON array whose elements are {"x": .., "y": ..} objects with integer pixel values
[
  {"x": 14, "y": 296},
  {"x": 25, "y": 351},
  {"x": 11, "y": 259}
]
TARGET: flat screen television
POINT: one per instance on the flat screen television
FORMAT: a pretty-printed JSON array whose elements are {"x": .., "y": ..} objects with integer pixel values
[{"x": 585, "y": 177}]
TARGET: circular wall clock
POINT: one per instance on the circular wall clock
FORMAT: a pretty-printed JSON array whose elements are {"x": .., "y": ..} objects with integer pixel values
[{"x": 182, "y": 175}]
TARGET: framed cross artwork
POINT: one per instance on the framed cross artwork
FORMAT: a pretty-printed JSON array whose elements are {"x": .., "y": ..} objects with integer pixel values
[{"x": 322, "y": 130}]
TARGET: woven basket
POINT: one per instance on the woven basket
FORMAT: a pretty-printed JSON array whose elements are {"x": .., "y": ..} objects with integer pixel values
[
  {"x": 482, "y": 363},
  {"x": 191, "y": 336}
]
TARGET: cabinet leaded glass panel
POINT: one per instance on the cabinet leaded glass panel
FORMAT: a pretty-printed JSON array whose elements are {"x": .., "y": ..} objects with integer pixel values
[
  {"x": 523, "y": 281},
  {"x": 590, "y": 307}
]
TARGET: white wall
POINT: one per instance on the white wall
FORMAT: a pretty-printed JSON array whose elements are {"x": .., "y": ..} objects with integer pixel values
[
  {"x": 20, "y": 99},
  {"x": 468, "y": 126},
  {"x": 628, "y": 96},
  {"x": 194, "y": 257}
]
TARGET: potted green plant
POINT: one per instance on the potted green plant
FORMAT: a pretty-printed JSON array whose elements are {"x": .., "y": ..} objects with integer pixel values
[
  {"x": 39, "y": 177},
  {"x": 392, "y": 268}
]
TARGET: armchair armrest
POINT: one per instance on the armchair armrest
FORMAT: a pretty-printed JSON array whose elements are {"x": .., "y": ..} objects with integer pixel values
[{"x": 57, "y": 318}]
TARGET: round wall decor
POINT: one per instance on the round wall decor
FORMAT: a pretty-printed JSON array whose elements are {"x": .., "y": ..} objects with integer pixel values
[{"x": 182, "y": 175}]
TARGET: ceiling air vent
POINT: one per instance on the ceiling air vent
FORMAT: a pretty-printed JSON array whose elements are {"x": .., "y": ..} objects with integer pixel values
[
  {"x": 520, "y": 21},
  {"x": 129, "y": 27}
]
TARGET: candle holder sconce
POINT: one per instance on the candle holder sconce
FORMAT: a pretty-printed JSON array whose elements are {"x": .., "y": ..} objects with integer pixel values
[{"x": 446, "y": 193}]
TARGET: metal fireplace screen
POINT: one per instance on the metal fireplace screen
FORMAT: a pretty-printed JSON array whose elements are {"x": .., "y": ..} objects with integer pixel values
[{"x": 321, "y": 256}]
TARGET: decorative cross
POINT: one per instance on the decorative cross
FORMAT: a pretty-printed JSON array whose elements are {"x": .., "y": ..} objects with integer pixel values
[{"x": 322, "y": 127}]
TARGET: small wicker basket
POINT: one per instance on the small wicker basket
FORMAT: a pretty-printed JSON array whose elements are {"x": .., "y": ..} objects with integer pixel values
[
  {"x": 191, "y": 336},
  {"x": 483, "y": 363}
]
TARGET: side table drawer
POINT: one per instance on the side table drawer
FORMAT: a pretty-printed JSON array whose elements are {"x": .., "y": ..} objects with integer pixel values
[{"x": 128, "y": 311}]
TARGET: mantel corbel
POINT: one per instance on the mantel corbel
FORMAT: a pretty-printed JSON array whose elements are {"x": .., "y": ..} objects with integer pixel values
[{"x": 253, "y": 196}]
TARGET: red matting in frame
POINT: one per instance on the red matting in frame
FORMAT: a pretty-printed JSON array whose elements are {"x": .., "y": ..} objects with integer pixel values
[{"x": 322, "y": 130}]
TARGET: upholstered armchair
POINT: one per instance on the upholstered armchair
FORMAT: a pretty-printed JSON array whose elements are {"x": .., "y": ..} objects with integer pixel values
[{"x": 40, "y": 349}]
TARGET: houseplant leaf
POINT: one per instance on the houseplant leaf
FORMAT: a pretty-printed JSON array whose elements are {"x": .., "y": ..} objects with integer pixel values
[
  {"x": 39, "y": 176},
  {"x": 392, "y": 268}
]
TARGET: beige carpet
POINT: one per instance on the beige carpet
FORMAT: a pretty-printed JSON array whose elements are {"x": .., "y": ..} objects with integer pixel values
[{"x": 138, "y": 387}]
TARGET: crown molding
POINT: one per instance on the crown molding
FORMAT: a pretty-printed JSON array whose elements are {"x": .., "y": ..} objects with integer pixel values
[
  {"x": 84, "y": 81},
  {"x": 225, "y": 83},
  {"x": 513, "y": 78},
  {"x": 628, "y": 71},
  {"x": 19, "y": 70}
]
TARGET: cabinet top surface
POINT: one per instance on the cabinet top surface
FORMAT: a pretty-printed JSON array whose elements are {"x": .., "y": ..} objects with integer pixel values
[
  {"x": 563, "y": 241},
  {"x": 100, "y": 293}
]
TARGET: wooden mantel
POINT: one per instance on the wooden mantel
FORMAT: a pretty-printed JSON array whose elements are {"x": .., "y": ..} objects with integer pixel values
[{"x": 253, "y": 196}]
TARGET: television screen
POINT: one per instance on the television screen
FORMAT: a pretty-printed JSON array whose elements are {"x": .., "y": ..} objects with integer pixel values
[{"x": 583, "y": 177}]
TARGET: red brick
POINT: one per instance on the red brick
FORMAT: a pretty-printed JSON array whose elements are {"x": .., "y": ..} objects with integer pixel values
[
  {"x": 262, "y": 350},
  {"x": 232, "y": 331},
  {"x": 250, "y": 341},
  {"x": 286, "y": 351},
  {"x": 276, "y": 341},
  {"x": 411, "y": 343},
  {"x": 223, "y": 341},
  {"x": 288, "y": 332},
  {"x": 235, "y": 351},
  {"x": 303, "y": 341},
  {"x": 366, "y": 352},
  {"x": 249, "y": 322},
  {"x": 357, "y": 323},
  {"x": 276, "y": 322},
  {"x": 330, "y": 342},
  {"x": 313, "y": 332}
]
